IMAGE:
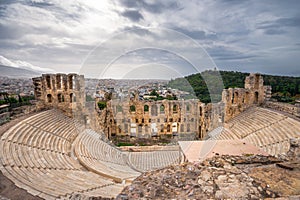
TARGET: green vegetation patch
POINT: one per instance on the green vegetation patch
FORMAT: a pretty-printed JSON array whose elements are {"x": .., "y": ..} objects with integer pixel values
[
  {"x": 284, "y": 88},
  {"x": 101, "y": 105}
]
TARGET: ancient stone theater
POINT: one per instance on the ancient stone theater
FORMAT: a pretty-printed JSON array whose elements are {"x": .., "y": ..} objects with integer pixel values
[{"x": 63, "y": 149}]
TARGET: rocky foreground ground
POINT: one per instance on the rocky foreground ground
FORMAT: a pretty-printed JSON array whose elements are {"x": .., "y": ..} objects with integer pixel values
[
  {"x": 223, "y": 177},
  {"x": 220, "y": 177}
]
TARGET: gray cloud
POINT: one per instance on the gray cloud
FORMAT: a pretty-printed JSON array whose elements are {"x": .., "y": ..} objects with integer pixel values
[
  {"x": 222, "y": 53},
  {"x": 6, "y": 2},
  {"x": 245, "y": 35},
  {"x": 195, "y": 34},
  {"x": 159, "y": 7},
  {"x": 153, "y": 7},
  {"x": 274, "y": 31},
  {"x": 133, "y": 15},
  {"x": 9, "y": 32},
  {"x": 280, "y": 25},
  {"x": 293, "y": 22},
  {"x": 40, "y": 4},
  {"x": 136, "y": 30},
  {"x": 130, "y": 4}
]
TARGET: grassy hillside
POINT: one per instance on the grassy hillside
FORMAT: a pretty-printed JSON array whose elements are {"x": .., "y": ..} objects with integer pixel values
[{"x": 284, "y": 88}]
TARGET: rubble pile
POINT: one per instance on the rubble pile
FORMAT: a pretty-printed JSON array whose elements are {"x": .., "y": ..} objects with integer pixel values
[{"x": 223, "y": 177}]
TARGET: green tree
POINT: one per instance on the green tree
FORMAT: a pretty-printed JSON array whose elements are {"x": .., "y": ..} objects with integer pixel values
[
  {"x": 101, "y": 105},
  {"x": 288, "y": 87}
]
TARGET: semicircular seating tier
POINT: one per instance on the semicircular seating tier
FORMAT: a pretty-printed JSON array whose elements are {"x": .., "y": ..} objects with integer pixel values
[
  {"x": 264, "y": 128},
  {"x": 153, "y": 160},
  {"x": 102, "y": 158},
  {"x": 53, "y": 156},
  {"x": 36, "y": 155}
]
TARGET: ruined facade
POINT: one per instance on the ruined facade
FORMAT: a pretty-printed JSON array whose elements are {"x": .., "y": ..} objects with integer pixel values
[
  {"x": 236, "y": 100},
  {"x": 62, "y": 91},
  {"x": 145, "y": 119},
  {"x": 142, "y": 118},
  {"x": 148, "y": 118}
]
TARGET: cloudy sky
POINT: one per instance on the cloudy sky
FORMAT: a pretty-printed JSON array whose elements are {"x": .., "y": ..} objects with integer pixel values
[{"x": 162, "y": 38}]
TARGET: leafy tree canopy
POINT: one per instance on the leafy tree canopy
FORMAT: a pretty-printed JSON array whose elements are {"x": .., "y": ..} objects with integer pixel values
[{"x": 284, "y": 88}]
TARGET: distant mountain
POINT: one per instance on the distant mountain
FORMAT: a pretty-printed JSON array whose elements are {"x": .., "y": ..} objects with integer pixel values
[{"x": 13, "y": 72}]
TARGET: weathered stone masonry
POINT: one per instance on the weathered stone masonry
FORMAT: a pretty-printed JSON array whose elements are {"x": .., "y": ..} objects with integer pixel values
[
  {"x": 145, "y": 118},
  {"x": 236, "y": 100},
  {"x": 62, "y": 91}
]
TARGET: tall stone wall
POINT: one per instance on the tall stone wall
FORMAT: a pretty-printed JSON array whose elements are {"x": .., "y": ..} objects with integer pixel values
[
  {"x": 236, "y": 100},
  {"x": 61, "y": 91},
  {"x": 146, "y": 119}
]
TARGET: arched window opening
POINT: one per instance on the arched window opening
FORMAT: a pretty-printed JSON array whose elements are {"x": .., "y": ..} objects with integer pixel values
[
  {"x": 48, "y": 80},
  {"x": 58, "y": 81},
  {"x": 188, "y": 128},
  {"x": 60, "y": 98},
  {"x": 154, "y": 110},
  {"x": 119, "y": 108},
  {"x": 132, "y": 108},
  {"x": 70, "y": 80},
  {"x": 246, "y": 99},
  {"x": 175, "y": 108},
  {"x": 168, "y": 128},
  {"x": 188, "y": 108},
  {"x": 256, "y": 97},
  {"x": 140, "y": 129},
  {"x": 146, "y": 108},
  {"x": 236, "y": 98},
  {"x": 126, "y": 128},
  {"x": 71, "y": 98},
  {"x": 49, "y": 98},
  {"x": 200, "y": 132},
  {"x": 162, "y": 109}
]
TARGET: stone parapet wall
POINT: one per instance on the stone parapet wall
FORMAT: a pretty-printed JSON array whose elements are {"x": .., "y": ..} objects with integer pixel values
[
  {"x": 150, "y": 148},
  {"x": 13, "y": 113},
  {"x": 284, "y": 107}
]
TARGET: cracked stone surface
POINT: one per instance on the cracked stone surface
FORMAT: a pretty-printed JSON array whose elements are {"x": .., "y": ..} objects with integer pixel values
[{"x": 222, "y": 177}]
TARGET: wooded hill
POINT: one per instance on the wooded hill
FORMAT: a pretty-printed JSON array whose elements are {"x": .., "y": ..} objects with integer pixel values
[{"x": 284, "y": 88}]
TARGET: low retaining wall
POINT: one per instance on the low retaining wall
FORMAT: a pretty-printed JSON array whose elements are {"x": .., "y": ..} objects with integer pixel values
[
  {"x": 150, "y": 148},
  {"x": 284, "y": 107}
]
